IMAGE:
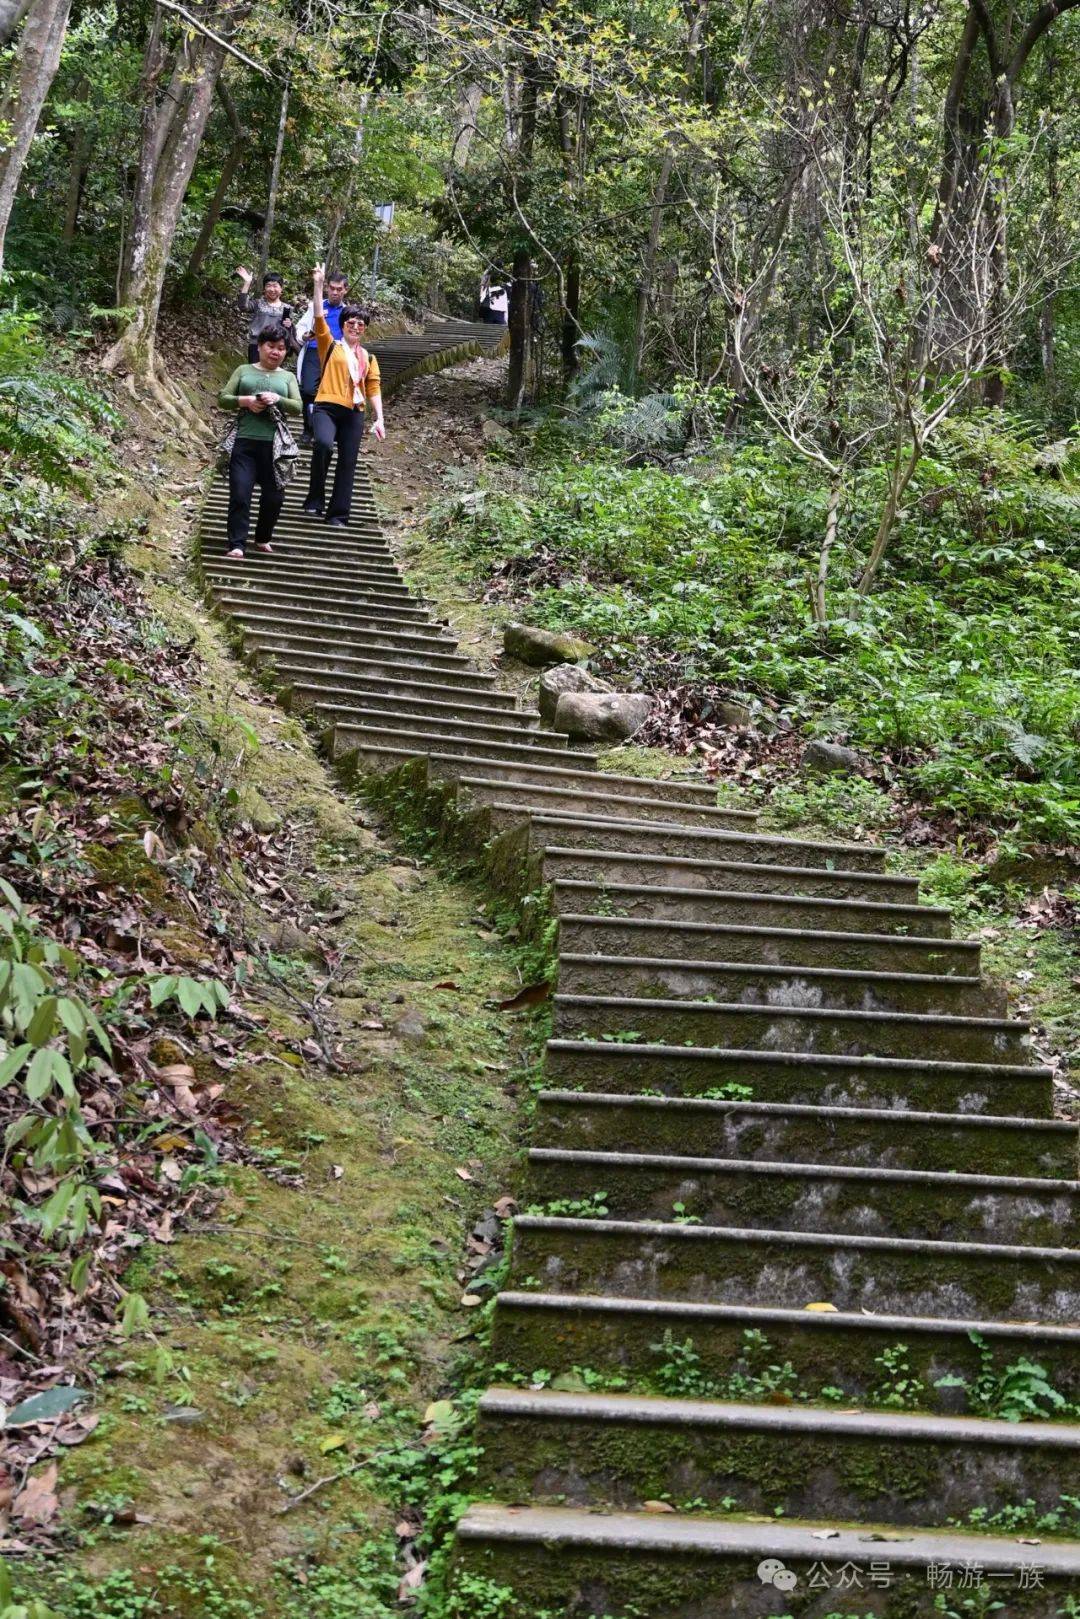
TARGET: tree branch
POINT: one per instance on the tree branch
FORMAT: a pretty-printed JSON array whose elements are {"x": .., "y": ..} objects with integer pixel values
[{"x": 201, "y": 28}]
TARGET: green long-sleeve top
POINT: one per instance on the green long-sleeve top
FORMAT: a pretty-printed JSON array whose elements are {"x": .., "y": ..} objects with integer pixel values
[{"x": 252, "y": 379}]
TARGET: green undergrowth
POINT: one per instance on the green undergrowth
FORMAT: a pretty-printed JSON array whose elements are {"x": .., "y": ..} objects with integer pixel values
[{"x": 959, "y": 669}]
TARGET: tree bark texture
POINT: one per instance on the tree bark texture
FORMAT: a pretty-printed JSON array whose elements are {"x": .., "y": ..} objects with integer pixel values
[
  {"x": 275, "y": 181},
  {"x": 32, "y": 73},
  {"x": 521, "y": 375}
]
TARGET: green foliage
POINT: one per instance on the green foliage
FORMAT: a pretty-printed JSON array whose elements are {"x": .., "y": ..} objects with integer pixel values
[
  {"x": 1021, "y": 1392},
  {"x": 50, "y": 419},
  {"x": 960, "y": 672},
  {"x": 897, "y": 1387}
]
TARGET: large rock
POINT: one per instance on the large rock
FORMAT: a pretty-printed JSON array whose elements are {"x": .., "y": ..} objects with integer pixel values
[
  {"x": 602, "y": 716},
  {"x": 540, "y": 647},
  {"x": 553, "y": 683},
  {"x": 729, "y": 711},
  {"x": 831, "y": 759}
]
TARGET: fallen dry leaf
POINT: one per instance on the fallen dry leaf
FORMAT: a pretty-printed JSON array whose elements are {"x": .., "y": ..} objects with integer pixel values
[
  {"x": 36, "y": 1502},
  {"x": 531, "y": 995},
  {"x": 657, "y": 1506}
]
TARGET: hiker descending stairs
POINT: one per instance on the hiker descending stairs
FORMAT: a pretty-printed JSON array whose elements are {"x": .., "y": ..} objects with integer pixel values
[{"x": 802, "y": 1210}]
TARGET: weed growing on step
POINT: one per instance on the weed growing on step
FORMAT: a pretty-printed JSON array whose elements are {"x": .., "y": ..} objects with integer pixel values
[
  {"x": 594, "y": 1207},
  {"x": 976, "y": 1606},
  {"x": 681, "y": 1374},
  {"x": 731, "y": 1092},
  {"x": 897, "y": 1387},
  {"x": 1023, "y": 1517},
  {"x": 1021, "y": 1392}
]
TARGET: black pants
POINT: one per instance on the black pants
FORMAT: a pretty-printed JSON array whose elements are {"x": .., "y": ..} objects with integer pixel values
[
  {"x": 251, "y": 463},
  {"x": 308, "y": 378},
  {"x": 340, "y": 425}
]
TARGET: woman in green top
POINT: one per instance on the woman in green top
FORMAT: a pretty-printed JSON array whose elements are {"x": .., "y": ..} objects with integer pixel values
[{"x": 251, "y": 390}]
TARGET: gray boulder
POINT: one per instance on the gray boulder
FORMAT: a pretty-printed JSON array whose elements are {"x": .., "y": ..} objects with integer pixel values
[
  {"x": 553, "y": 683},
  {"x": 728, "y": 711},
  {"x": 602, "y": 716},
  {"x": 540, "y": 647},
  {"x": 831, "y": 759}
]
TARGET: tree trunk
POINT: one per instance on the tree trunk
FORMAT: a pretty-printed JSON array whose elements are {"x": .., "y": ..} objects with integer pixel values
[
  {"x": 521, "y": 376},
  {"x": 80, "y": 152},
  {"x": 652, "y": 246},
  {"x": 465, "y": 116},
  {"x": 275, "y": 180},
  {"x": 31, "y": 76},
  {"x": 571, "y": 325},
  {"x": 213, "y": 210},
  {"x": 172, "y": 134}
]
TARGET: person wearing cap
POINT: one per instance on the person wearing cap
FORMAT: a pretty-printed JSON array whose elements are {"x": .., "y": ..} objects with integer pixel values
[
  {"x": 269, "y": 310},
  {"x": 309, "y": 370},
  {"x": 348, "y": 386}
]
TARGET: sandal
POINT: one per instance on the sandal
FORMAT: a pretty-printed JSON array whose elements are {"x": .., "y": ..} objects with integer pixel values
[
  {"x": 235, "y": 552},
  {"x": 268, "y": 548}
]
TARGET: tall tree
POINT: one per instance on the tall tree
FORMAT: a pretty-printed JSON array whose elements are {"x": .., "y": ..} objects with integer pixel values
[{"x": 32, "y": 73}]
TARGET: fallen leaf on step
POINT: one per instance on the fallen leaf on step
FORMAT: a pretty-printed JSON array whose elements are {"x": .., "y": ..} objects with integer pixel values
[
  {"x": 822, "y": 1309},
  {"x": 531, "y": 995},
  {"x": 825, "y": 1534},
  {"x": 657, "y": 1506}
]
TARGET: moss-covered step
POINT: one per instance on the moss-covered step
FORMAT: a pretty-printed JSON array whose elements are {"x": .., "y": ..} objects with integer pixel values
[
  {"x": 613, "y": 834},
  {"x": 580, "y": 770},
  {"x": 770, "y": 1132},
  {"x": 325, "y": 568},
  {"x": 413, "y": 695},
  {"x": 233, "y": 597},
  {"x": 344, "y": 619},
  {"x": 774, "y": 906},
  {"x": 510, "y": 801},
  {"x": 278, "y": 638},
  {"x": 414, "y": 736},
  {"x": 612, "y": 866},
  {"x": 660, "y": 939},
  {"x": 340, "y": 704},
  {"x": 619, "y": 1450},
  {"x": 498, "y": 729},
  {"x": 815, "y": 1079},
  {"x": 768, "y": 984},
  {"x": 577, "y": 1564},
  {"x": 738, "y": 1265},
  {"x": 385, "y": 668},
  {"x": 732, "y": 1351},
  {"x": 790, "y": 1028},
  {"x": 802, "y": 1196}
]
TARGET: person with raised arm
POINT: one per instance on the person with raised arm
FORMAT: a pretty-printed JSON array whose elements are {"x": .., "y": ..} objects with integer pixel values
[
  {"x": 251, "y": 391},
  {"x": 349, "y": 386},
  {"x": 309, "y": 370}
]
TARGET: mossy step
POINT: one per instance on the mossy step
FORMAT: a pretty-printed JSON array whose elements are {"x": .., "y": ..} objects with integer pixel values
[
  {"x": 583, "y": 772},
  {"x": 621, "y": 838},
  {"x": 401, "y": 694},
  {"x": 619, "y": 1450},
  {"x": 772, "y": 1132},
  {"x": 257, "y": 565},
  {"x": 339, "y": 628},
  {"x": 306, "y": 651},
  {"x": 819, "y": 1079},
  {"x": 771, "y": 907},
  {"x": 463, "y": 679},
  {"x": 374, "y": 697},
  {"x": 831, "y": 1029},
  {"x": 859, "y": 1357},
  {"x": 578, "y": 1563},
  {"x": 806, "y": 1196},
  {"x": 323, "y": 564},
  {"x": 356, "y": 713},
  {"x": 294, "y": 538},
  {"x": 237, "y": 595},
  {"x": 613, "y": 867},
  {"x": 768, "y": 984},
  {"x": 743, "y": 1265},
  {"x": 421, "y": 740},
  {"x": 648, "y": 938},
  {"x": 508, "y": 803}
]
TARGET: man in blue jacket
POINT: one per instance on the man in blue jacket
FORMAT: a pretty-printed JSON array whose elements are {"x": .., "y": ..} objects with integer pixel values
[{"x": 337, "y": 285}]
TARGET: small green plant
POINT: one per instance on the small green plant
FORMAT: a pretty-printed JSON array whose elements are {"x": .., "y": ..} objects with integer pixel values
[
  {"x": 1022, "y": 1392},
  {"x": 574, "y": 1208},
  {"x": 897, "y": 1388},
  {"x": 192, "y": 995},
  {"x": 731, "y": 1092}
]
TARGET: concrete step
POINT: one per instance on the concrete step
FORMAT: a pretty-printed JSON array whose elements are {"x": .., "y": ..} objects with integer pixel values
[
  {"x": 256, "y": 565},
  {"x": 770, "y": 1132},
  {"x": 488, "y": 728},
  {"x": 406, "y": 695},
  {"x": 373, "y": 697},
  {"x": 292, "y": 538},
  {"x": 340, "y": 628},
  {"x": 233, "y": 596},
  {"x": 765, "y": 984},
  {"x": 746, "y": 906},
  {"x": 508, "y": 803},
  {"x": 413, "y": 740},
  {"x": 619, "y": 1450},
  {"x": 734, "y": 1347},
  {"x": 663, "y": 1565},
  {"x": 324, "y": 563},
  {"x": 831, "y": 950},
  {"x": 583, "y": 773},
  {"x": 834, "y": 1030},
  {"x": 837, "y": 1198},
  {"x": 612, "y": 867},
  {"x": 791, "y": 1269},
  {"x": 655, "y": 841},
  {"x": 816, "y": 1079},
  {"x": 309, "y": 651},
  {"x": 388, "y": 668}
]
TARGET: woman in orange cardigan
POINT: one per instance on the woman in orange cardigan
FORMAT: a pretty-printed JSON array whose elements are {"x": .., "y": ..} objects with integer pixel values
[{"x": 349, "y": 383}]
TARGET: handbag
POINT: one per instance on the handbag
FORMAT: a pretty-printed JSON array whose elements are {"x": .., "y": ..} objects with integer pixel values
[
  {"x": 225, "y": 447},
  {"x": 286, "y": 449}
]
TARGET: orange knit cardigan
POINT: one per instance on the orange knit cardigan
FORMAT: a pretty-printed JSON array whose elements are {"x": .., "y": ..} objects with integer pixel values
[{"x": 336, "y": 387}]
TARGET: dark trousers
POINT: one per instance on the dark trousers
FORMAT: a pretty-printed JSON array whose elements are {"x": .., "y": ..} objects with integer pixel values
[
  {"x": 310, "y": 373},
  {"x": 251, "y": 463},
  {"x": 340, "y": 425}
]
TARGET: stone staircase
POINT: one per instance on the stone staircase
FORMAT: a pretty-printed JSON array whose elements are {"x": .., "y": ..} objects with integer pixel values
[{"x": 803, "y": 1207}]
